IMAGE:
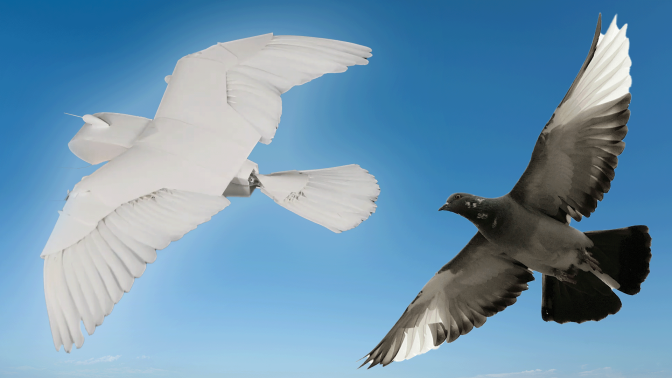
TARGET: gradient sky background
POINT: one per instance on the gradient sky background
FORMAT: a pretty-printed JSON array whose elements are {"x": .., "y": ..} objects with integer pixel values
[{"x": 453, "y": 99}]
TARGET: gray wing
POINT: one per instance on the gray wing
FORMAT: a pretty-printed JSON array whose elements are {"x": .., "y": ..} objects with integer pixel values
[
  {"x": 575, "y": 156},
  {"x": 476, "y": 284}
]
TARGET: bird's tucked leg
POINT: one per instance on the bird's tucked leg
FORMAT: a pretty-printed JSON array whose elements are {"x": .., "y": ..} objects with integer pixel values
[
  {"x": 587, "y": 258},
  {"x": 568, "y": 275}
]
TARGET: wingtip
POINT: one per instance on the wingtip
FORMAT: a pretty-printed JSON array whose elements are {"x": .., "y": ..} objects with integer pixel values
[
  {"x": 368, "y": 361},
  {"x": 614, "y": 25}
]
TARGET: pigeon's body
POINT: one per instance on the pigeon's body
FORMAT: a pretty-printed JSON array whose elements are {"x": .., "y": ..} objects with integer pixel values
[
  {"x": 541, "y": 243},
  {"x": 537, "y": 241},
  {"x": 528, "y": 229}
]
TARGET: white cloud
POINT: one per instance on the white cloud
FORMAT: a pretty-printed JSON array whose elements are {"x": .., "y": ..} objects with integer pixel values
[
  {"x": 605, "y": 372},
  {"x": 522, "y": 374},
  {"x": 142, "y": 357},
  {"x": 145, "y": 371},
  {"x": 94, "y": 360}
]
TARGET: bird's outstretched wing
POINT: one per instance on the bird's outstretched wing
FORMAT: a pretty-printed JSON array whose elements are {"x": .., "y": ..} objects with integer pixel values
[
  {"x": 85, "y": 280},
  {"x": 575, "y": 156},
  {"x": 269, "y": 65},
  {"x": 478, "y": 283}
]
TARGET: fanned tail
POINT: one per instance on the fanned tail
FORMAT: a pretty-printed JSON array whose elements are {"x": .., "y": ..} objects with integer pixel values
[
  {"x": 588, "y": 299},
  {"x": 338, "y": 198},
  {"x": 623, "y": 255}
]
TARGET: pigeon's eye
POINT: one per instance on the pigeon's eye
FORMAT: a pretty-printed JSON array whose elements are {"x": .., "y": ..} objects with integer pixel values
[{"x": 457, "y": 196}]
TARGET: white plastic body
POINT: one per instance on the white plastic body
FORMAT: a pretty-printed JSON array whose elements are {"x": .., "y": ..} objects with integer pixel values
[
  {"x": 196, "y": 143},
  {"x": 198, "y": 140},
  {"x": 97, "y": 142}
]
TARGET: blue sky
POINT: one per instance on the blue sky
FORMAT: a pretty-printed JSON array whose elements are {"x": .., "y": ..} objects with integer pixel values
[{"x": 453, "y": 99}]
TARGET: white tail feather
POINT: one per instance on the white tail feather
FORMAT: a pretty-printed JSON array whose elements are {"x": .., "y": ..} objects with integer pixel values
[{"x": 337, "y": 198}]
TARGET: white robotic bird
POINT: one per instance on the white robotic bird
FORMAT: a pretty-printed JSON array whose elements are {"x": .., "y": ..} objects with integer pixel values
[{"x": 167, "y": 175}]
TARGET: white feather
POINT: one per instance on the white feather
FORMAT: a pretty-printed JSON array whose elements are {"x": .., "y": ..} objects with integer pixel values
[
  {"x": 127, "y": 257},
  {"x": 111, "y": 286},
  {"x": 67, "y": 305},
  {"x": 337, "y": 198},
  {"x": 89, "y": 268},
  {"x": 84, "y": 281},
  {"x": 121, "y": 274},
  {"x": 285, "y": 61},
  {"x": 606, "y": 78},
  {"x": 78, "y": 294},
  {"x": 51, "y": 308}
]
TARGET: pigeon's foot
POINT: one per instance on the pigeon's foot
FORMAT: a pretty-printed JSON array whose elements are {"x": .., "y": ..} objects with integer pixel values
[
  {"x": 587, "y": 258},
  {"x": 565, "y": 276}
]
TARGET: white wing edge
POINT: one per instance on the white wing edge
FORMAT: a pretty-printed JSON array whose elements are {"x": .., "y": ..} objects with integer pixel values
[{"x": 606, "y": 78}]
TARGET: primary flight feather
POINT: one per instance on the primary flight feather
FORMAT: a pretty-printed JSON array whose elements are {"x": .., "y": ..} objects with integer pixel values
[
  {"x": 166, "y": 176},
  {"x": 528, "y": 229}
]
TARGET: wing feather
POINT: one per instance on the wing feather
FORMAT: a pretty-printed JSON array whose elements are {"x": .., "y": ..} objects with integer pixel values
[
  {"x": 573, "y": 162},
  {"x": 130, "y": 261},
  {"x": 113, "y": 288},
  {"x": 478, "y": 283},
  {"x": 85, "y": 281},
  {"x": 121, "y": 274},
  {"x": 77, "y": 293},
  {"x": 254, "y": 85},
  {"x": 87, "y": 266}
]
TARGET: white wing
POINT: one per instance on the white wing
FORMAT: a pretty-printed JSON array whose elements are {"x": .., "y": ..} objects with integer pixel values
[
  {"x": 85, "y": 280},
  {"x": 170, "y": 176},
  {"x": 254, "y": 86}
]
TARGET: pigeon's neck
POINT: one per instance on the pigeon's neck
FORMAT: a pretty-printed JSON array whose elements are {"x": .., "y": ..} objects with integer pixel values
[{"x": 487, "y": 214}]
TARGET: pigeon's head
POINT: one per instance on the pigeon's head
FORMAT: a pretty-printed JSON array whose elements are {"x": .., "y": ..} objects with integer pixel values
[{"x": 463, "y": 204}]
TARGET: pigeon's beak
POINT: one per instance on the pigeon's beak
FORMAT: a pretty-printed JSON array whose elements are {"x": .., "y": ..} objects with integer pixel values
[{"x": 445, "y": 207}]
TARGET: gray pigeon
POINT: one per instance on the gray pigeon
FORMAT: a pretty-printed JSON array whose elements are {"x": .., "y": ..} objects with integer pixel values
[{"x": 528, "y": 229}]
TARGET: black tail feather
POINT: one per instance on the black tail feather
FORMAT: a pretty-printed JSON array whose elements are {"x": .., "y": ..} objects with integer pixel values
[
  {"x": 624, "y": 254},
  {"x": 588, "y": 299}
]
